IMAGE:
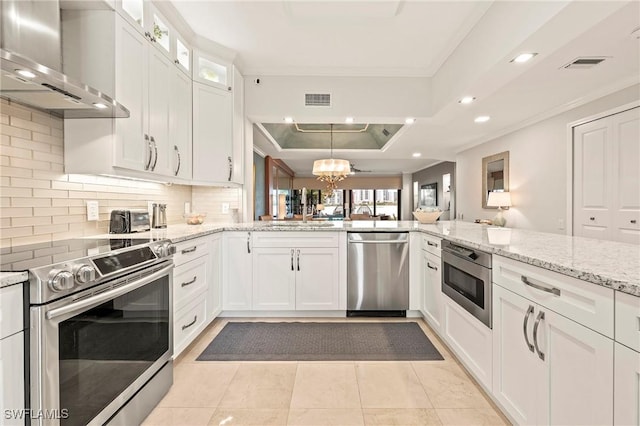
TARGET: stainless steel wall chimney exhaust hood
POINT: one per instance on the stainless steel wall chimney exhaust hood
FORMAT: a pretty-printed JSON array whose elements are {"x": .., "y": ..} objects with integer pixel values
[{"x": 30, "y": 57}]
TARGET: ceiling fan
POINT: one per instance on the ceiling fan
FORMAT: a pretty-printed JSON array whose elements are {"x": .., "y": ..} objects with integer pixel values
[{"x": 354, "y": 169}]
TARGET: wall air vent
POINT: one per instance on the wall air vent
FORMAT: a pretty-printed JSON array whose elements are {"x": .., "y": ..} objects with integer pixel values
[
  {"x": 584, "y": 63},
  {"x": 317, "y": 99}
]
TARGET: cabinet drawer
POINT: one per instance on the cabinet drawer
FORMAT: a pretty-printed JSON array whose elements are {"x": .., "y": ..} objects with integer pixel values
[
  {"x": 588, "y": 304},
  {"x": 189, "y": 280},
  {"x": 187, "y": 324},
  {"x": 295, "y": 239},
  {"x": 189, "y": 250},
  {"x": 431, "y": 244},
  {"x": 11, "y": 317},
  {"x": 628, "y": 320}
]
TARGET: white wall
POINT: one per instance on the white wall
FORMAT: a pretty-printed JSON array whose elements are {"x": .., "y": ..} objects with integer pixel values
[{"x": 537, "y": 170}]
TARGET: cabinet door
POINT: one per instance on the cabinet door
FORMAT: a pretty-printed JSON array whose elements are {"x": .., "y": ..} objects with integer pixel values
[
  {"x": 317, "y": 279},
  {"x": 180, "y": 124},
  {"x": 237, "y": 271},
  {"x": 274, "y": 287},
  {"x": 516, "y": 368},
  {"x": 214, "y": 273},
  {"x": 132, "y": 150},
  {"x": 238, "y": 127},
  {"x": 577, "y": 379},
  {"x": 626, "y": 395},
  {"x": 12, "y": 377},
  {"x": 160, "y": 70},
  {"x": 212, "y": 134},
  {"x": 432, "y": 290}
]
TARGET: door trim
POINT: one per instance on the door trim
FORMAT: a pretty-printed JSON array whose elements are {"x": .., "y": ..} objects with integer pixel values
[{"x": 570, "y": 133}]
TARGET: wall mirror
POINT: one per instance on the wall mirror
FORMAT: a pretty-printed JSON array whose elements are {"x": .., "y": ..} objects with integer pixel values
[{"x": 495, "y": 175}]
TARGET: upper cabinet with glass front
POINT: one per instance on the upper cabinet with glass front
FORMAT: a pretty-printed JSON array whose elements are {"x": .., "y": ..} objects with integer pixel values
[
  {"x": 146, "y": 18},
  {"x": 212, "y": 71}
]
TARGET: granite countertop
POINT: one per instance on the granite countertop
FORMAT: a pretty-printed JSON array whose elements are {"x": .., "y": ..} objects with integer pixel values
[
  {"x": 606, "y": 263},
  {"x": 11, "y": 278}
]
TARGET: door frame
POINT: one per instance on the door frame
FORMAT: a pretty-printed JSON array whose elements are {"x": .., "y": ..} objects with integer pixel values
[{"x": 570, "y": 133}]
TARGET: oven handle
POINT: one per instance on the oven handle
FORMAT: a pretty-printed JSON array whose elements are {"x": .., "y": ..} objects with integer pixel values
[{"x": 107, "y": 295}]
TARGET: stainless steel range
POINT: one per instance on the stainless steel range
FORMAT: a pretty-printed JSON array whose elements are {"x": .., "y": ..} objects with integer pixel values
[{"x": 99, "y": 335}]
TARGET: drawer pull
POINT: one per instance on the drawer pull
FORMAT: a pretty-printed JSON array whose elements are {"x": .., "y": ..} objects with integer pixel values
[
  {"x": 535, "y": 335},
  {"x": 195, "y": 318},
  {"x": 429, "y": 243},
  {"x": 190, "y": 250},
  {"x": 552, "y": 290},
  {"x": 592, "y": 218},
  {"x": 195, "y": 277},
  {"x": 524, "y": 327},
  {"x": 633, "y": 221},
  {"x": 435, "y": 268}
]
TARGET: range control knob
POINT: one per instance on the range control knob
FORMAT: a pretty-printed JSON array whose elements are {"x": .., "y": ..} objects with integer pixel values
[
  {"x": 85, "y": 274},
  {"x": 60, "y": 280},
  {"x": 165, "y": 249}
]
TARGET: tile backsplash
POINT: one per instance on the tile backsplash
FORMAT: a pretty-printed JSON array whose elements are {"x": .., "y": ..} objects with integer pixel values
[{"x": 39, "y": 202}]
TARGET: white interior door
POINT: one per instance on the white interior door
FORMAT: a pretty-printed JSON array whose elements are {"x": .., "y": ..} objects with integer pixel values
[{"x": 626, "y": 179}]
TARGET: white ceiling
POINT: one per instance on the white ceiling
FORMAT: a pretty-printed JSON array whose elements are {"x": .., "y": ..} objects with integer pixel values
[{"x": 459, "y": 47}]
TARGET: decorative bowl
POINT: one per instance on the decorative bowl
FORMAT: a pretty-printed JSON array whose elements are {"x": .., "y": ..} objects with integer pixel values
[
  {"x": 194, "y": 218},
  {"x": 427, "y": 217}
]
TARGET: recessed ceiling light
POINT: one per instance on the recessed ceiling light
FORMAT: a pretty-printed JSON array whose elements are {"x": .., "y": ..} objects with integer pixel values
[
  {"x": 100, "y": 105},
  {"x": 416, "y": 154},
  {"x": 482, "y": 119},
  {"x": 348, "y": 120},
  {"x": 288, "y": 119},
  {"x": 523, "y": 57},
  {"x": 410, "y": 120},
  {"x": 26, "y": 73},
  {"x": 466, "y": 100}
]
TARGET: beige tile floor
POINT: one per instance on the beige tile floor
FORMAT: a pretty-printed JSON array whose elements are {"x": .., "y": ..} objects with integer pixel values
[{"x": 322, "y": 393}]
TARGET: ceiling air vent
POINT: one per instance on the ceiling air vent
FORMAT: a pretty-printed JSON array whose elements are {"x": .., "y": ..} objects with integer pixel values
[
  {"x": 584, "y": 63},
  {"x": 317, "y": 99}
]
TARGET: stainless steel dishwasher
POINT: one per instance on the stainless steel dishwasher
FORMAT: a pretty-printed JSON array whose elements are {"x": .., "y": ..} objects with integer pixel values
[{"x": 377, "y": 273}]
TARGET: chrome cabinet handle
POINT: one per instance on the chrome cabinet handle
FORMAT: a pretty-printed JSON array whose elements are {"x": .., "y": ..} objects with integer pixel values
[
  {"x": 552, "y": 290},
  {"x": 429, "y": 243},
  {"x": 177, "y": 151},
  {"x": 195, "y": 278},
  {"x": 249, "y": 243},
  {"x": 298, "y": 259},
  {"x": 149, "y": 152},
  {"x": 230, "y": 168},
  {"x": 195, "y": 318},
  {"x": 535, "y": 335},
  {"x": 435, "y": 268},
  {"x": 175, "y": 61},
  {"x": 147, "y": 34},
  {"x": 155, "y": 150},
  {"x": 292, "y": 259},
  {"x": 633, "y": 221},
  {"x": 592, "y": 218},
  {"x": 525, "y": 323},
  {"x": 190, "y": 250}
]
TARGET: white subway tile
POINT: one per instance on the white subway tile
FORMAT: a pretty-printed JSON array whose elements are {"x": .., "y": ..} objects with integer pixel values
[
  {"x": 71, "y": 218},
  {"x": 30, "y": 202},
  {"x": 46, "y": 156},
  {"x": 51, "y": 211},
  {"x": 54, "y": 177},
  {"x": 29, "y": 164},
  {"x": 16, "y": 192},
  {"x": 57, "y": 167},
  {"x": 17, "y": 182},
  {"x": 83, "y": 194},
  {"x": 13, "y": 152},
  {"x": 16, "y": 131},
  {"x": 29, "y": 144},
  {"x": 29, "y": 125},
  {"x": 17, "y": 212},
  {"x": 28, "y": 240},
  {"x": 50, "y": 193},
  {"x": 31, "y": 221},
  {"x": 16, "y": 172},
  {"x": 4, "y": 160},
  {"x": 67, "y": 202},
  {"x": 54, "y": 140},
  {"x": 50, "y": 229},
  {"x": 17, "y": 231},
  {"x": 17, "y": 110}
]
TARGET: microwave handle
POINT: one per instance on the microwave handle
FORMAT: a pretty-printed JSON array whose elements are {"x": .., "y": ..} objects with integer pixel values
[{"x": 81, "y": 305}]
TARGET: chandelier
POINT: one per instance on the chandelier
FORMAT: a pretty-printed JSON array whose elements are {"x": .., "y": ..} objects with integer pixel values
[{"x": 331, "y": 170}]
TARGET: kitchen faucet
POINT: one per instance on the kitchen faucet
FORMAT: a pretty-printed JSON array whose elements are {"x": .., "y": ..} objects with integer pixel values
[{"x": 304, "y": 205}]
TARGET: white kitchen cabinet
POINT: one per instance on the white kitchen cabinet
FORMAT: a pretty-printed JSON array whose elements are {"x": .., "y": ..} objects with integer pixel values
[
  {"x": 237, "y": 281},
  {"x": 214, "y": 276},
  {"x": 212, "y": 135},
  {"x": 147, "y": 143},
  {"x": 237, "y": 156},
  {"x": 627, "y": 320},
  {"x": 626, "y": 398},
  {"x": 432, "y": 290},
  {"x": 12, "y": 386},
  {"x": 212, "y": 71},
  {"x": 416, "y": 274},
  {"x": 190, "y": 291},
  {"x": 296, "y": 271},
  {"x": 549, "y": 369}
]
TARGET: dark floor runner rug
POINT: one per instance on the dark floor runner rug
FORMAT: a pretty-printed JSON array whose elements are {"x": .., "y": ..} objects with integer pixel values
[{"x": 320, "y": 341}]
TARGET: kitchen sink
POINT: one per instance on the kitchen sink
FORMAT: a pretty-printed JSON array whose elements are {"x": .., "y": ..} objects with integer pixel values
[{"x": 298, "y": 224}]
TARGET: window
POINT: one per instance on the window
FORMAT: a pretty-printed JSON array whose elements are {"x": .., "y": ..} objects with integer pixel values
[{"x": 384, "y": 203}]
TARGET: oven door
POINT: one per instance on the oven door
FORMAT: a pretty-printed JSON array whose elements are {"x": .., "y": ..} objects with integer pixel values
[
  {"x": 93, "y": 353},
  {"x": 469, "y": 285}
]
